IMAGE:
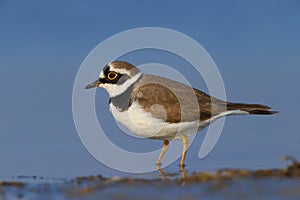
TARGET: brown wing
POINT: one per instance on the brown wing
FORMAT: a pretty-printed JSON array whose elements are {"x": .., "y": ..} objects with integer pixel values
[{"x": 172, "y": 101}]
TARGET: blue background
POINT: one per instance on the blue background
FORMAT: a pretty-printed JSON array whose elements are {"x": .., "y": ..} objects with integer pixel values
[{"x": 255, "y": 44}]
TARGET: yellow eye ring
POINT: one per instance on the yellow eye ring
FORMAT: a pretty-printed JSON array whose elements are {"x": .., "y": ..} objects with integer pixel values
[{"x": 112, "y": 75}]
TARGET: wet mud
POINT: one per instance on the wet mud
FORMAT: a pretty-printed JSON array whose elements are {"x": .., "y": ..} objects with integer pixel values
[{"x": 224, "y": 183}]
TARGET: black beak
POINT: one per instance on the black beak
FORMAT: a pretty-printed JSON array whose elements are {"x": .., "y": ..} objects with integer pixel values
[{"x": 93, "y": 84}]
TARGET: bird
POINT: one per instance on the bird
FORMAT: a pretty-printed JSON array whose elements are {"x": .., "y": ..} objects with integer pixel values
[{"x": 159, "y": 108}]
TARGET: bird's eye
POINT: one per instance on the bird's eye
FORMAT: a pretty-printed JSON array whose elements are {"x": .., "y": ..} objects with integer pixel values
[{"x": 112, "y": 75}]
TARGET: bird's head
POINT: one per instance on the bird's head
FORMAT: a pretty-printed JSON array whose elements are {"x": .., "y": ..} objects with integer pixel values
[{"x": 116, "y": 77}]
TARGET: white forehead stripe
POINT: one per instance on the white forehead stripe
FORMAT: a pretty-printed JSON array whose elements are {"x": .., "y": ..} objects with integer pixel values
[{"x": 101, "y": 75}]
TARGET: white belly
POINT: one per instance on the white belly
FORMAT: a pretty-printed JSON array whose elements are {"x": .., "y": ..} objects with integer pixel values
[{"x": 142, "y": 123}]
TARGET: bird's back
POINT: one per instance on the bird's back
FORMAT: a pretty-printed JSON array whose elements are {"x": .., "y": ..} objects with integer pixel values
[
  {"x": 173, "y": 101},
  {"x": 181, "y": 102}
]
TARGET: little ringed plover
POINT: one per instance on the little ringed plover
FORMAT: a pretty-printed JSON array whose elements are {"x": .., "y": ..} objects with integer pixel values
[{"x": 159, "y": 108}]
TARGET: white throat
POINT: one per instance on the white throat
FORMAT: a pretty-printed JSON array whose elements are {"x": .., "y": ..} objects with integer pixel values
[{"x": 115, "y": 89}]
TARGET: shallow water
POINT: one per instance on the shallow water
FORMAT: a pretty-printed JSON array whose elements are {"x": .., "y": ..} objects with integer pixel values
[
  {"x": 273, "y": 188},
  {"x": 281, "y": 183}
]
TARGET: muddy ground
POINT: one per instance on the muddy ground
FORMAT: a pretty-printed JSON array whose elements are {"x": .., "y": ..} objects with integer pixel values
[{"x": 225, "y": 183}]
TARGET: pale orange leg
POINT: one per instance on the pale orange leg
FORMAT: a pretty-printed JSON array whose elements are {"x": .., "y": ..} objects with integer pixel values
[
  {"x": 185, "y": 142},
  {"x": 163, "y": 151},
  {"x": 161, "y": 172}
]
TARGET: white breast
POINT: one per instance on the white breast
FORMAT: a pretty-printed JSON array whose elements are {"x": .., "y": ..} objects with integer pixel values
[{"x": 142, "y": 123}]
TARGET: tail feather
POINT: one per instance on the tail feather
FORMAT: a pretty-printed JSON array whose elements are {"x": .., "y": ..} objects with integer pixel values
[{"x": 251, "y": 108}]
